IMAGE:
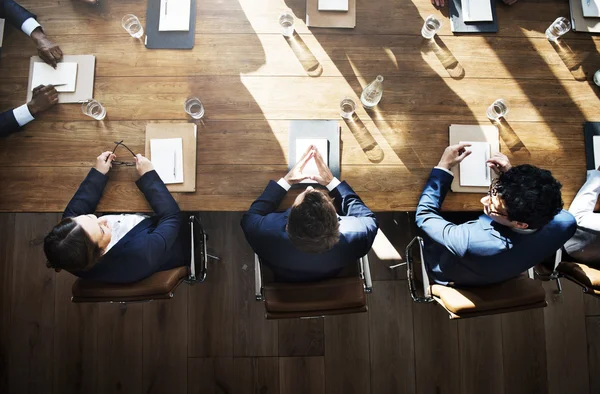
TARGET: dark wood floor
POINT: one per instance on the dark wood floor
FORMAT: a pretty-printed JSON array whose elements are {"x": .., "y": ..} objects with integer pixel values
[{"x": 213, "y": 338}]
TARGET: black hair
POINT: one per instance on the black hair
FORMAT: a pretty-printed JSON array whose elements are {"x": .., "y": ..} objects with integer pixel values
[{"x": 69, "y": 247}]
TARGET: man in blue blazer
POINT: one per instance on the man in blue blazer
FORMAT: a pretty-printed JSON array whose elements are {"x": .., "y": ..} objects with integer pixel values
[
  {"x": 523, "y": 224},
  {"x": 43, "y": 96},
  {"x": 309, "y": 241},
  {"x": 118, "y": 248}
]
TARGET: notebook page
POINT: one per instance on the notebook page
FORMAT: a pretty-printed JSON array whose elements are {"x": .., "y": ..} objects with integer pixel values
[
  {"x": 596, "y": 141},
  {"x": 167, "y": 159},
  {"x": 333, "y": 5},
  {"x": 473, "y": 169},
  {"x": 477, "y": 10},
  {"x": 311, "y": 167},
  {"x": 174, "y": 15},
  {"x": 65, "y": 74}
]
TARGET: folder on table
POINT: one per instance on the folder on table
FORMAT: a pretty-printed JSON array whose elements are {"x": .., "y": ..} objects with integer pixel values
[
  {"x": 63, "y": 77},
  {"x": 591, "y": 136},
  {"x": 173, "y": 131},
  {"x": 581, "y": 23},
  {"x": 316, "y": 18},
  {"x": 458, "y": 24},
  {"x": 325, "y": 134},
  {"x": 173, "y": 37},
  {"x": 84, "y": 80},
  {"x": 475, "y": 133}
]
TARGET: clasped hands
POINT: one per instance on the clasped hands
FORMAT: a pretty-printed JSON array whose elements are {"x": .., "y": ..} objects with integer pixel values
[
  {"x": 454, "y": 154},
  {"x": 104, "y": 163},
  {"x": 324, "y": 175}
]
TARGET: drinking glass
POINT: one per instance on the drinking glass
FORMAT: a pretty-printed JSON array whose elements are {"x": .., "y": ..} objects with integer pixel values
[
  {"x": 498, "y": 109},
  {"x": 597, "y": 78},
  {"x": 430, "y": 27},
  {"x": 132, "y": 25},
  {"x": 93, "y": 109},
  {"x": 194, "y": 107},
  {"x": 347, "y": 108},
  {"x": 286, "y": 21},
  {"x": 559, "y": 27}
]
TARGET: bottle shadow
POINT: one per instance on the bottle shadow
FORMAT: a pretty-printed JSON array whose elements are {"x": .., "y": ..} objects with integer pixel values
[{"x": 510, "y": 138}]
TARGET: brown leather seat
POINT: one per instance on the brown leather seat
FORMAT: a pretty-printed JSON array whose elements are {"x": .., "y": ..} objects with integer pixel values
[
  {"x": 513, "y": 295},
  {"x": 583, "y": 275},
  {"x": 329, "y": 297},
  {"x": 157, "y": 286}
]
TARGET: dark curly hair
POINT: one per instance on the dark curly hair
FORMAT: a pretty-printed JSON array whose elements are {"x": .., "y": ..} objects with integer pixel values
[
  {"x": 69, "y": 247},
  {"x": 531, "y": 195},
  {"x": 313, "y": 225}
]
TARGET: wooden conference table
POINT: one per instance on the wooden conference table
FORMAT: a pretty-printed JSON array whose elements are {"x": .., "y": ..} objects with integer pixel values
[{"x": 252, "y": 82}]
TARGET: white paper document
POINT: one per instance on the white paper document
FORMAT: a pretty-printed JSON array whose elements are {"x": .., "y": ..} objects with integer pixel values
[
  {"x": 167, "y": 158},
  {"x": 1, "y": 31},
  {"x": 333, "y": 5},
  {"x": 477, "y": 10},
  {"x": 596, "y": 144},
  {"x": 64, "y": 77},
  {"x": 174, "y": 15},
  {"x": 473, "y": 169},
  {"x": 591, "y": 8},
  {"x": 311, "y": 167}
]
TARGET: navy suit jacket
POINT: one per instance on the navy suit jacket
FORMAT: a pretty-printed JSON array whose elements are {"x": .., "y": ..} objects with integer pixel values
[
  {"x": 265, "y": 231},
  {"x": 155, "y": 244},
  {"x": 481, "y": 252},
  {"x": 15, "y": 15}
]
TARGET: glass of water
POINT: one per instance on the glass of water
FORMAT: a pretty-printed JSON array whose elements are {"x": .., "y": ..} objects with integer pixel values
[
  {"x": 597, "y": 78},
  {"x": 93, "y": 109},
  {"x": 559, "y": 27},
  {"x": 286, "y": 21},
  {"x": 193, "y": 106},
  {"x": 347, "y": 108},
  {"x": 430, "y": 27},
  {"x": 498, "y": 109},
  {"x": 132, "y": 25}
]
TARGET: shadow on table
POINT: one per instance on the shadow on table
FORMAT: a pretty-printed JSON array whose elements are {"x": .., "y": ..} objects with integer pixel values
[
  {"x": 364, "y": 138},
  {"x": 449, "y": 62},
  {"x": 309, "y": 62},
  {"x": 510, "y": 138},
  {"x": 574, "y": 61}
]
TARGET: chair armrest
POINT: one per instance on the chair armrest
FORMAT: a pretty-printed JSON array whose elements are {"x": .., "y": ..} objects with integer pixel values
[
  {"x": 257, "y": 279},
  {"x": 410, "y": 272},
  {"x": 196, "y": 228},
  {"x": 365, "y": 273}
]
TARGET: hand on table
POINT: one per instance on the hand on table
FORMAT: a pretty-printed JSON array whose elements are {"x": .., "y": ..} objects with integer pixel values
[
  {"x": 295, "y": 174},
  {"x": 43, "y": 97},
  {"x": 47, "y": 50},
  {"x": 104, "y": 162},
  {"x": 499, "y": 163},
  {"x": 453, "y": 155},
  {"x": 142, "y": 164},
  {"x": 509, "y": 2},
  {"x": 324, "y": 177}
]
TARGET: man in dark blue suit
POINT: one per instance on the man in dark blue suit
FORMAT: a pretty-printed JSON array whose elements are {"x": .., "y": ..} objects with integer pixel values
[
  {"x": 309, "y": 241},
  {"x": 118, "y": 248},
  {"x": 523, "y": 224},
  {"x": 43, "y": 96}
]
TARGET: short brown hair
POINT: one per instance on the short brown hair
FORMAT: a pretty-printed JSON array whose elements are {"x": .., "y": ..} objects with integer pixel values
[
  {"x": 313, "y": 225},
  {"x": 69, "y": 247}
]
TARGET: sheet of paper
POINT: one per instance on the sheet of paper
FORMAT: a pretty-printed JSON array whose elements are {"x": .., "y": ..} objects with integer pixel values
[
  {"x": 596, "y": 140},
  {"x": 64, "y": 75},
  {"x": 174, "y": 15},
  {"x": 473, "y": 169},
  {"x": 167, "y": 158},
  {"x": 302, "y": 145},
  {"x": 333, "y": 5},
  {"x": 591, "y": 8},
  {"x": 1, "y": 31},
  {"x": 477, "y": 10}
]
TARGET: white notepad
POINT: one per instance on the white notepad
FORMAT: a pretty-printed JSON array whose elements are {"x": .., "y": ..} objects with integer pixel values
[
  {"x": 477, "y": 10},
  {"x": 65, "y": 75},
  {"x": 591, "y": 8},
  {"x": 174, "y": 15},
  {"x": 596, "y": 145},
  {"x": 302, "y": 145},
  {"x": 167, "y": 159},
  {"x": 333, "y": 5},
  {"x": 473, "y": 169}
]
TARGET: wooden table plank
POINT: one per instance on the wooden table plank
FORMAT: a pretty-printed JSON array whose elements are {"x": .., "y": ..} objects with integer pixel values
[
  {"x": 302, "y": 375},
  {"x": 301, "y": 337},
  {"x": 7, "y": 224},
  {"x": 211, "y": 375},
  {"x": 592, "y": 325}
]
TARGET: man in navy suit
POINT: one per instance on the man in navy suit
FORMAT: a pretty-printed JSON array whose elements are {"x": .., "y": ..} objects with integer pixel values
[
  {"x": 43, "y": 96},
  {"x": 523, "y": 223},
  {"x": 309, "y": 241},
  {"x": 118, "y": 248}
]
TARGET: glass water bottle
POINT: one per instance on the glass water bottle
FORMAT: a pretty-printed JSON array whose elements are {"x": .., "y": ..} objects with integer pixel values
[{"x": 372, "y": 93}]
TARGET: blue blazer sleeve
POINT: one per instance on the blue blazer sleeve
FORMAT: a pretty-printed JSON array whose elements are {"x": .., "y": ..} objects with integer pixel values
[
  {"x": 162, "y": 238},
  {"x": 14, "y": 13},
  {"x": 267, "y": 203},
  {"x": 8, "y": 123},
  {"x": 87, "y": 196},
  {"x": 352, "y": 205},
  {"x": 454, "y": 237}
]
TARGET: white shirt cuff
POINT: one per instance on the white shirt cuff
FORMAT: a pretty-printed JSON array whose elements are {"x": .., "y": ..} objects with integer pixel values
[
  {"x": 29, "y": 26},
  {"x": 283, "y": 183},
  {"x": 444, "y": 169},
  {"x": 22, "y": 115},
  {"x": 333, "y": 184}
]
